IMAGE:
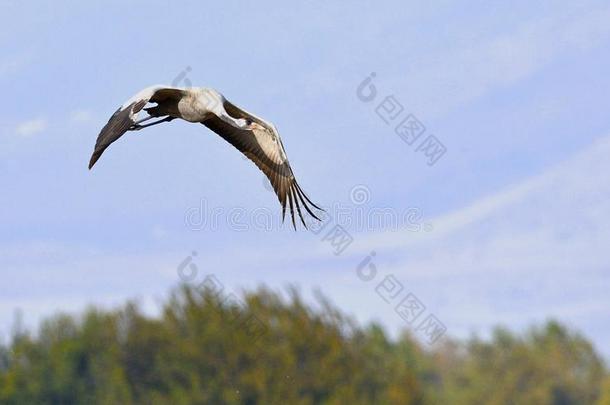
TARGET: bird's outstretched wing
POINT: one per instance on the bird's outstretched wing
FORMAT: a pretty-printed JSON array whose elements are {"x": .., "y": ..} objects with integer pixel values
[
  {"x": 127, "y": 115},
  {"x": 263, "y": 146}
]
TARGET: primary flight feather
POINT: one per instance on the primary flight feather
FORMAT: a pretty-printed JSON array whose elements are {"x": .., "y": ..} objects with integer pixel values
[{"x": 256, "y": 138}]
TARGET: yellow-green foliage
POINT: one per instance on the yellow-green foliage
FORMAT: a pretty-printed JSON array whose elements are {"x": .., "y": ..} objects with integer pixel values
[{"x": 201, "y": 351}]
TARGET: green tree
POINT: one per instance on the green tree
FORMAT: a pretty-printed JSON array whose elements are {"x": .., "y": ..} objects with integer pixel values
[
  {"x": 271, "y": 348},
  {"x": 550, "y": 365}
]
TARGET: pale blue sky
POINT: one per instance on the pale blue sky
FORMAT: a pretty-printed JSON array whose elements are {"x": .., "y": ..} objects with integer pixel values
[{"x": 517, "y": 208}]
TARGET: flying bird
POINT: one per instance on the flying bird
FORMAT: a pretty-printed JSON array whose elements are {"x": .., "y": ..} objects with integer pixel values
[{"x": 256, "y": 138}]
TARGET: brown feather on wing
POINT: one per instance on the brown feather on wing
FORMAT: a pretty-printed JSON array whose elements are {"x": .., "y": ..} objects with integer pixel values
[
  {"x": 117, "y": 125},
  {"x": 263, "y": 146},
  {"x": 125, "y": 117}
]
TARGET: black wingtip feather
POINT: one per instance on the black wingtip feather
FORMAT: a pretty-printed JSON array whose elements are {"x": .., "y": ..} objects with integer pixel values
[
  {"x": 283, "y": 210},
  {"x": 94, "y": 159},
  {"x": 296, "y": 200},
  {"x": 300, "y": 194},
  {"x": 294, "y": 225},
  {"x": 307, "y": 198}
]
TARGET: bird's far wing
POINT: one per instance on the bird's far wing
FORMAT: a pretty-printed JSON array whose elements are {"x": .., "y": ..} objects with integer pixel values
[
  {"x": 264, "y": 147},
  {"x": 238, "y": 112},
  {"x": 127, "y": 115}
]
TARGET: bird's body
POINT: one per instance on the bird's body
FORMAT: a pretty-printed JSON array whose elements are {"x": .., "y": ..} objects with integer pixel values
[
  {"x": 193, "y": 105},
  {"x": 253, "y": 136}
]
